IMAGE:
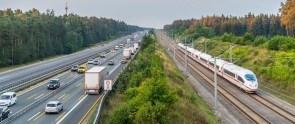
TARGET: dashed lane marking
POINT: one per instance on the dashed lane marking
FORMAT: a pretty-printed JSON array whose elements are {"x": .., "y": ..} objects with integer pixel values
[
  {"x": 34, "y": 116},
  {"x": 32, "y": 96}
]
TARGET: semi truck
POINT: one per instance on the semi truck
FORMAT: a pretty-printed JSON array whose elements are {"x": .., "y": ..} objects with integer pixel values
[
  {"x": 128, "y": 41},
  {"x": 127, "y": 53},
  {"x": 94, "y": 80},
  {"x": 136, "y": 46},
  {"x": 132, "y": 50}
]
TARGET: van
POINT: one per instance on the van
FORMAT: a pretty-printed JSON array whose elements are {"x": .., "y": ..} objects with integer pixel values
[{"x": 8, "y": 99}]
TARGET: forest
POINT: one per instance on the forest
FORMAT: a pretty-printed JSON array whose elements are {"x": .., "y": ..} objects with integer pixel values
[
  {"x": 32, "y": 35},
  {"x": 264, "y": 44}
]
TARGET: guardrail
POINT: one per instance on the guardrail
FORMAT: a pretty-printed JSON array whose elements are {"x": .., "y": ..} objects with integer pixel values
[
  {"x": 47, "y": 96},
  {"x": 115, "y": 82}
]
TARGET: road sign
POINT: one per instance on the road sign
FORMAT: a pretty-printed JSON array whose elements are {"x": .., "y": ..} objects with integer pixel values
[{"x": 107, "y": 84}]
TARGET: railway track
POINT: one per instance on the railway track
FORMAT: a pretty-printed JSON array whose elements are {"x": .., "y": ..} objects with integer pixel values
[{"x": 246, "y": 109}]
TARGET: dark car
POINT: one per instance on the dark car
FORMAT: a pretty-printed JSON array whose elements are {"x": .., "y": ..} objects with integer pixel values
[
  {"x": 4, "y": 112},
  {"x": 111, "y": 62},
  {"x": 53, "y": 84},
  {"x": 74, "y": 68}
]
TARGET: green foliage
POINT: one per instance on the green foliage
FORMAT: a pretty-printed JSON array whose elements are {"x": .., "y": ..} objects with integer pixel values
[
  {"x": 281, "y": 43},
  {"x": 29, "y": 36},
  {"x": 248, "y": 38},
  {"x": 146, "y": 92},
  {"x": 259, "y": 40},
  {"x": 227, "y": 37}
]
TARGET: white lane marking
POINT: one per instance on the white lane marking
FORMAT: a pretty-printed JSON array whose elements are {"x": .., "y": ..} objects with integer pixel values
[
  {"x": 78, "y": 85},
  {"x": 115, "y": 68},
  {"x": 71, "y": 110},
  {"x": 33, "y": 116},
  {"x": 62, "y": 96},
  {"x": 39, "y": 96}
]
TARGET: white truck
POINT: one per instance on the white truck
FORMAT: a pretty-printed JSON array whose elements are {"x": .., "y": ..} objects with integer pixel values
[
  {"x": 136, "y": 46},
  {"x": 132, "y": 50},
  {"x": 127, "y": 53},
  {"x": 128, "y": 41},
  {"x": 94, "y": 80}
]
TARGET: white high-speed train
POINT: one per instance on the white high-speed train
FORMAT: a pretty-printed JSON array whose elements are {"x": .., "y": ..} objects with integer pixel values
[{"x": 241, "y": 77}]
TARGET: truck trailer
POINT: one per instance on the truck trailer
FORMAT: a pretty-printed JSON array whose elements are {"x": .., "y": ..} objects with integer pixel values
[
  {"x": 136, "y": 46},
  {"x": 94, "y": 80},
  {"x": 127, "y": 53}
]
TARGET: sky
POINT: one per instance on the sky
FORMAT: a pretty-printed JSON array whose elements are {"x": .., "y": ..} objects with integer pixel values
[{"x": 148, "y": 13}]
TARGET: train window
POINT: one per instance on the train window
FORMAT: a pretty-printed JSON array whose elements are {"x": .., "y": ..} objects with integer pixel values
[
  {"x": 203, "y": 60},
  {"x": 229, "y": 73},
  {"x": 250, "y": 77},
  {"x": 212, "y": 64},
  {"x": 241, "y": 79},
  {"x": 217, "y": 66}
]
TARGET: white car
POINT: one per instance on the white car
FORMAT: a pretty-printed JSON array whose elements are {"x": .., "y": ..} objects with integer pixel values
[
  {"x": 53, "y": 107},
  {"x": 8, "y": 99},
  {"x": 90, "y": 61}
]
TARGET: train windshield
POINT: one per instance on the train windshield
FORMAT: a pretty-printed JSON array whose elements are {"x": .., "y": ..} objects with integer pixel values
[{"x": 250, "y": 77}]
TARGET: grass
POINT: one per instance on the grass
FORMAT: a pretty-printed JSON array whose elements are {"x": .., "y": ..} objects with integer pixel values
[
  {"x": 189, "y": 107},
  {"x": 252, "y": 61}
]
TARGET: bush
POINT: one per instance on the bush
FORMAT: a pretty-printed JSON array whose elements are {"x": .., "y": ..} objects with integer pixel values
[
  {"x": 227, "y": 37},
  {"x": 259, "y": 40}
]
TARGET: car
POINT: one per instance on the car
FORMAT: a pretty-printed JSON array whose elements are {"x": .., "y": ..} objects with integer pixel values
[
  {"x": 96, "y": 62},
  {"x": 102, "y": 55},
  {"x": 8, "y": 99},
  {"x": 112, "y": 51},
  {"x": 116, "y": 47},
  {"x": 111, "y": 62},
  {"x": 4, "y": 112},
  {"x": 53, "y": 107},
  {"x": 90, "y": 61},
  {"x": 53, "y": 84},
  {"x": 74, "y": 68},
  {"x": 123, "y": 60},
  {"x": 82, "y": 69},
  {"x": 121, "y": 45}
]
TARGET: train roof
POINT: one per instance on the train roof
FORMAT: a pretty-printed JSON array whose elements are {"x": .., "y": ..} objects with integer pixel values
[{"x": 237, "y": 69}]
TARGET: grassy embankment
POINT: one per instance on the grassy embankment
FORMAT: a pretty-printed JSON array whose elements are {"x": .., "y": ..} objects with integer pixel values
[
  {"x": 274, "y": 69},
  {"x": 153, "y": 90}
]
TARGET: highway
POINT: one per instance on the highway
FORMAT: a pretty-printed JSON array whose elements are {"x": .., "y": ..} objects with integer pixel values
[
  {"x": 42, "y": 67},
  {"x": 76, "y": 103}
]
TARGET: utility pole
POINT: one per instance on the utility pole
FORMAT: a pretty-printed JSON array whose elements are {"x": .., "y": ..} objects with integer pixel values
[
  {"x": 215, "y": 85},
  {"x": 231, "y": 55},
  {"x": 185, "y": 58},
  {"x": 192, "y": 43},
  {"x": 66, "y": 8},
  {"x": 206, "y": 47}
]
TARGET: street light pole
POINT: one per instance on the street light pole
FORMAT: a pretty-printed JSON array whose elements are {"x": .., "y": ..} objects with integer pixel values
[
  {"x": 185, "y": 58},
  {"x": 205, "y": 47},
  {"x": 215, "y": 84}
]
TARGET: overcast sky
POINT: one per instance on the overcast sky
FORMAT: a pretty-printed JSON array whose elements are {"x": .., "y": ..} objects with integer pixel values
[{"x": 148, "y": 13}]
